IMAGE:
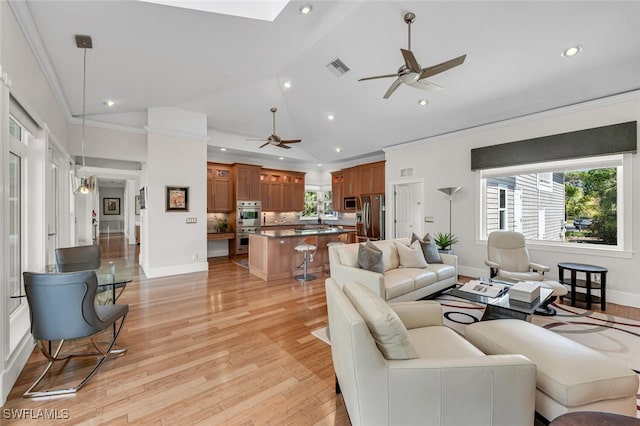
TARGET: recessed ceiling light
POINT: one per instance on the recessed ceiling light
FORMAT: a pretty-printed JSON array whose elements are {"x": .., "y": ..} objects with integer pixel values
[
  {"x": 423, "y": 102},
  {"x": 223, "y": 149},
  {"x": 319, "y": 164},
  {"x": 305, "y": 9},
  {"x": 282, "y": 158},
  {"x": 330, "y": 117},
  {"x": 286, "y": 84},
  {"x": 109, "y": 102},
  {"x": 572, "y": 51},
  {"x": 338, "y": 149}
]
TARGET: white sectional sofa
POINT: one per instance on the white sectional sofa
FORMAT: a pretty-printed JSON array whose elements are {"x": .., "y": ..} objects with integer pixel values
[
  {"x": 413, "y": 370},
  {"x": 396, "y": 283}
]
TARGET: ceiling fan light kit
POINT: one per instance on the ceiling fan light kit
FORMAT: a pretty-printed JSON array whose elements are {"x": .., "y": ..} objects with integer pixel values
[{"x": 411, "y": 73}]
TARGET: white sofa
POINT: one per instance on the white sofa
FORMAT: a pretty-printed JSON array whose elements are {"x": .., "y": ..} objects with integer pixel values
[
  {"x": 396, "y": 283},
  {"x": 449, "y": 383}
]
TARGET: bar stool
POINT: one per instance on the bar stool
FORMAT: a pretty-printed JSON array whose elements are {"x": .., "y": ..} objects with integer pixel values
[
  {"x": 309, "y": 249},
  {"x": 342, "y": 239}
]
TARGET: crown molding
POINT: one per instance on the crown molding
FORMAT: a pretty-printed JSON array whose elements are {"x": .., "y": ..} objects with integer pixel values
[
  {"x": 108, "y": 126},
  {"x": 175, "y": 134},
  {"x": 31, "y": 33}
]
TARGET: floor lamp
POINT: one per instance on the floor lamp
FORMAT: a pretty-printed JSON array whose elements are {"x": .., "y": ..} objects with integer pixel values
[{"x": 450, "y": 191}]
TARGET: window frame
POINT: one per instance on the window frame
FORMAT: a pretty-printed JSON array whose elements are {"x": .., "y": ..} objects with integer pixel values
[
  {"x": 624, "y": 248},
  {"x": 321, "y": 204}
]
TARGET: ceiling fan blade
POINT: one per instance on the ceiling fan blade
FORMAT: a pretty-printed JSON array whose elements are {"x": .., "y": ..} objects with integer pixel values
[
  {"x": 281, "y": 145},
  {"x": 410, "y": 60},
  {"x": 291, "y": 141},
  {"x": 264, "y": 144},
  {"x": 437, "y": 69},
  {"x": 425, "y": 85},
  {"x": 379, "y": 76},
  {"x": 392, "y": 88}
]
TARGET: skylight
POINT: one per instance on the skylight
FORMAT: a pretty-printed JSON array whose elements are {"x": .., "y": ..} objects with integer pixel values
[{"x": 265, "y": 10}]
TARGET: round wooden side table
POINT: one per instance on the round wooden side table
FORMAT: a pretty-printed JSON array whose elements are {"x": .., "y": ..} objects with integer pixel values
[{"x": 594, "y": 418}]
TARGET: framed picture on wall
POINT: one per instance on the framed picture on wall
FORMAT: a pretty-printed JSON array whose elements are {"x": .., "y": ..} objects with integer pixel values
[
  {"x": 143, "y": 197},
  {"x": 137, "y": 202},
  {"x": 177, "y": 198},
  {"x": 111, "y": 206}
]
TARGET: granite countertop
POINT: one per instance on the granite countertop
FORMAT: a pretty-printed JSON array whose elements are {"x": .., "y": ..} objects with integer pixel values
[{"x": 285, "y": 233}]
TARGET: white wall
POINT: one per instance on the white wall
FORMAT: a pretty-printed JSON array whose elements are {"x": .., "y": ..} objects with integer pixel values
[
  {"x": 22, "y": 76},
  {"x": 176, "y": 156},
  {"x": 446, "y": 161}
]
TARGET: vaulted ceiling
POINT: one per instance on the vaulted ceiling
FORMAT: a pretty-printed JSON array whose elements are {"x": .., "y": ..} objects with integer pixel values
[{"x": 233, "y": 69}]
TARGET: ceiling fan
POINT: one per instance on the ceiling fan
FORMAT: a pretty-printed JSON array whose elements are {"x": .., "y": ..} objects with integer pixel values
[
  {"x": 274, "y": 139},
  {"x": 411, "y": 73}
]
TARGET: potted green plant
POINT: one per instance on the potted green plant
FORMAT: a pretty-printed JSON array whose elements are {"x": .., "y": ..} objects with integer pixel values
[
  {"x": 445, "y": 241},
  {"x": 222, "y": 225}
]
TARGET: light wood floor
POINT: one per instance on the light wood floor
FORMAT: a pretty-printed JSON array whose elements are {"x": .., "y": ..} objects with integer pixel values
[{"x": 218, "y": 347}]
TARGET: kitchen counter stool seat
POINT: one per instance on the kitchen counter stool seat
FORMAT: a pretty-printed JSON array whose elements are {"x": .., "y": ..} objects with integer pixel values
[{"x": 308, "y": 248}]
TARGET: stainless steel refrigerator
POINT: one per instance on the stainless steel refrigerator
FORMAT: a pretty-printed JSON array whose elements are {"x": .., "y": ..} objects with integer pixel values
[{"x": 370, "y": 215}]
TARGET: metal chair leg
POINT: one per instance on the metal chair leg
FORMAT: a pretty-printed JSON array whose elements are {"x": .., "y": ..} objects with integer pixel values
[{"x": 29, "y": 393}]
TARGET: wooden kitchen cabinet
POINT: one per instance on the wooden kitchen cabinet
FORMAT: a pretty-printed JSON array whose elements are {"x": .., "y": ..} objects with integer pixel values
[
  {"x": 219, "y": 188},
  {"x": 363, "y": 179},
  {"x": 282, "y": 191},
  {"x": 337, "y": 179},
  {"x": 372, "y": 178},
  {"x": 351, "y": 182},
  {"x": 247, "y": 182}
]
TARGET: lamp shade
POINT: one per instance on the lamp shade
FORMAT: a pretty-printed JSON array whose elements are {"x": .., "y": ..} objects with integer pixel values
[{"x": 450, "y": 190}]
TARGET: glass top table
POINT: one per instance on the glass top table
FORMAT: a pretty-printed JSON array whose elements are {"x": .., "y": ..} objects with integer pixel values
[
  {"x": 502, "y": 307},
  {"x": 111, "y": 273}
]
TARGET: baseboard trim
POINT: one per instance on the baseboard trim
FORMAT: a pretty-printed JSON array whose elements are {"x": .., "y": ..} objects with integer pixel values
[
  {"x": 175, "y": 270},
  {"x": 15, "y": 364}
]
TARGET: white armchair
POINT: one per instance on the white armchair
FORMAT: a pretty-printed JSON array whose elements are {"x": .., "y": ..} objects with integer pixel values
[
  {"x": 508, "y": 259},
  {"x": 447, "y": 381}
]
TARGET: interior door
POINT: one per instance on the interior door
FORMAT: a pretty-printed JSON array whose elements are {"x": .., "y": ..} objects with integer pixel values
[{"x": 407, "y": 210}]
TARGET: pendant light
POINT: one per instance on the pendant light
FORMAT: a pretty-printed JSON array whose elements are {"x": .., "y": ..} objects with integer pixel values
[{"x": 86, "y": 183}]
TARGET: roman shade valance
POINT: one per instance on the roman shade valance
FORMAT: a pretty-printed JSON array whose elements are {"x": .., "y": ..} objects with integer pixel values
[{"x": 606, "y": 140}]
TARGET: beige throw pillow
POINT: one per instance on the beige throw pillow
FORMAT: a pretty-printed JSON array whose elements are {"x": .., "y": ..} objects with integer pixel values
[
  {"x": 370, "y": 257},
  {"x": 411, "y": 256},
  {"x": 385, "y": 326}
]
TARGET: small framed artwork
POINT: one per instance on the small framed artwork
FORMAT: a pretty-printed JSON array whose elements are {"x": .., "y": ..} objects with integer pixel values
[
  {"x": 111, "y": 206},
  {"x": 137, "y": 202},
  {"x": 143, "y": 197},
  {"x": 177, "y": 199}
]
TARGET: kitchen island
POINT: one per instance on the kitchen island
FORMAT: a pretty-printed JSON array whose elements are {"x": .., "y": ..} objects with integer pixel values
[{"x": 272, "y": 253}]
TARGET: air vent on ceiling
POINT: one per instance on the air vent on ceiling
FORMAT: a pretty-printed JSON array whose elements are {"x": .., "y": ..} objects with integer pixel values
[{"x": 337, "y": 67}]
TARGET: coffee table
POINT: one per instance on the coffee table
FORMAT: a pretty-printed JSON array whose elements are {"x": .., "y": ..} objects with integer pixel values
[{"x": 502, "y": 307}]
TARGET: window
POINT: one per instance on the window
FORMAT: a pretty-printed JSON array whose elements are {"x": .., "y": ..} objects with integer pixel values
[
  {"x": 16, "y": 168},
  {"x": 502, "y": 209},
  {"x": 572, "y": 201},
  {"x": 317, "y": 204}
]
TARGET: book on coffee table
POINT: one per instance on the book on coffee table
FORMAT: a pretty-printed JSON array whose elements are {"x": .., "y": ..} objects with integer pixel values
[
  {"x": 525, "y": 291},
  {"x": 485, "y": 289}
]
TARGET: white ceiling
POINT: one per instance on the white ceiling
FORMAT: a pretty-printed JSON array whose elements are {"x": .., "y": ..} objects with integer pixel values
[{"x": 232, "y": 68}]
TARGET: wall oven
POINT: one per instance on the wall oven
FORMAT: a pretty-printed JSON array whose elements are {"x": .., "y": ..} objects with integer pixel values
[
  {"x": 242, "y": 239},
  {"x": 248, "y": 213}
]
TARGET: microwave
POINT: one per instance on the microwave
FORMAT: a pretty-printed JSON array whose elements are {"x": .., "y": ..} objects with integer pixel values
[{"x": 349, "y": 203}]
